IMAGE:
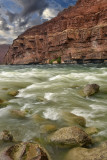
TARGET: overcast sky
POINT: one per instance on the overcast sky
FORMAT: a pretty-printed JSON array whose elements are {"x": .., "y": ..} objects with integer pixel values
[{"x": 18, "y": 15}]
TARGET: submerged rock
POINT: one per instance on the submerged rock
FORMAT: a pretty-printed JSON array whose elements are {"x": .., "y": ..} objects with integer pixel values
[
  {"x": 6, "y": 136},
  {"x": 91, "y": 130},
  {"x": 91, "y": 89},
  {"x": 98, "y": 153},
  {"x": 5, "y": 89},
  {"x": 97, "y": 139},
  {"x": 18, "y": 113},
  {"x": 40, "y": 99},
  {"x": 48, "y": 128},
  {"x": 13, "y": 93},
  {"x": 38, "y": 118},
  {"x": 24, "y": 151},
  {"x": 70, "y": 136},
  {"x": 73, "y": 119},
  {"x": 3, "y": 103}
]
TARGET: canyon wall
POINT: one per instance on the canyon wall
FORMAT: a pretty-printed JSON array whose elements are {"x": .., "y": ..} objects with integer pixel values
[
  {"x": 3, "y": 50},
  {"x": 77, "y": 35}
]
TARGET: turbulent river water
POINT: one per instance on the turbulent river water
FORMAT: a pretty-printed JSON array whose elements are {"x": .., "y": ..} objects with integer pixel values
[{"x": 46, "y": 91}]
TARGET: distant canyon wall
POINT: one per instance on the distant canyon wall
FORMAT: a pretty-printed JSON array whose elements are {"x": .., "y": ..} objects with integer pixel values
[{"x": 77, "y": 35}]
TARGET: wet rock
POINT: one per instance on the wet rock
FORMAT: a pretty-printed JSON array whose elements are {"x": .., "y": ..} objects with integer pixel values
[
  {"x": 98, "y": 153},
  {"x": 13, "y": 93},
  {"x": 73, "y": 119},
  {"x": 91, "y": 89},
  {"x": 24, "y": 151},
  {"x": 18, "y": 113},
  {"x": 91, "y": 130},
  {"x": 48, "y": 128},
  {"x": 6, "y": 136},
  {"x": 70, "y": 136}
]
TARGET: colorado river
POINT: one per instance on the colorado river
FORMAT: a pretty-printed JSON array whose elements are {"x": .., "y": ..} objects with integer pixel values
[{"x": 46, "y": 91}]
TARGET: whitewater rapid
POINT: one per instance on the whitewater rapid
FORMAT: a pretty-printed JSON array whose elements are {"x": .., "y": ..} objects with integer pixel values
[{"x": 47, "y": 90}]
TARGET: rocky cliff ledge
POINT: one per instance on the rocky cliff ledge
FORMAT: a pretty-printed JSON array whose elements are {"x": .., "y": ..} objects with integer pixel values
[{"x": 77, "y": 35}]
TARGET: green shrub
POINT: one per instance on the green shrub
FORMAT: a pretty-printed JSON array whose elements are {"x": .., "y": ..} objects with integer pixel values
[
  {"x": 59, "y": 60},
  {"x": 51, "y": 61}
]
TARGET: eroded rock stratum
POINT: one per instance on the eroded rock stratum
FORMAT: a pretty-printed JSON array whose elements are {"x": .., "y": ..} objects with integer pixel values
[{"x": 77, "y": 35}]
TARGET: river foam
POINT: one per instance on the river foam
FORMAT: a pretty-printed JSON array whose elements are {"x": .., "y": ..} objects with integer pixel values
[{"x": 51, "y": 113}]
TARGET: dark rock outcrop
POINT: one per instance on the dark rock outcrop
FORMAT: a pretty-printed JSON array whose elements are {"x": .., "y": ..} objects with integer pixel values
[
  {"x": 77, "y": 35},
  {"x": 3, "y": 50}
]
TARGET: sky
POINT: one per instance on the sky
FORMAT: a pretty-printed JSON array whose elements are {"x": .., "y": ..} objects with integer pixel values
[{"x": 16, "y": 16}]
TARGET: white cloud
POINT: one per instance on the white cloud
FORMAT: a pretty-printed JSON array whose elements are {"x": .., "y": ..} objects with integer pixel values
[{"x": 49, "y": 13}]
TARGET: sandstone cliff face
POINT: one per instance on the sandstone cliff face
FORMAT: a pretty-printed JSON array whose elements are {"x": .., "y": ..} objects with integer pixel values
[
  {"x": 3, "y": 50},
  {"x": 77, "y": 35}
]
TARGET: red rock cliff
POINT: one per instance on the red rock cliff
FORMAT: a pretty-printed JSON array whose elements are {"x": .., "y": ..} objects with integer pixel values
[
  {"x": 77, "y": 34},
  {"x": 3, "y": 50}
]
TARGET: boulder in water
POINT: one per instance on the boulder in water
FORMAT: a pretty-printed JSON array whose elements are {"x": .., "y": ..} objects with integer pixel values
[
  {"x": 24, "y": 151},
  {"x": 98, "y": 153},
  {"x": 91, "y": 89},
  {"x": 70, "y": 136}
]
